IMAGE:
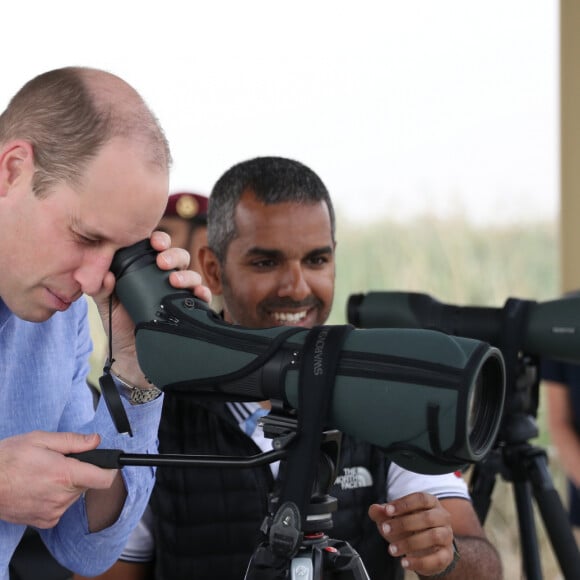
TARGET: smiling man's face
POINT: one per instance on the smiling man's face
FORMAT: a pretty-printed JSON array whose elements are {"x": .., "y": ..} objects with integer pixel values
[{"x": 279, "y": 269}]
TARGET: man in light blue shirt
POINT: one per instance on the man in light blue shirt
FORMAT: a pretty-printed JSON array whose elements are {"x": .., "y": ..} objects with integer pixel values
[{"x": 83, "y": 172}]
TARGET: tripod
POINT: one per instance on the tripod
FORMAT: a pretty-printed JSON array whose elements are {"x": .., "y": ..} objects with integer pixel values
[
  {"x": 319, "y": 557},
  {"x": 522, "y": 464}
]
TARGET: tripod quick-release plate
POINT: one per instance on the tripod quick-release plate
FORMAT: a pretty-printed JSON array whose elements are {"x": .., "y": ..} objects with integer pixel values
[{"x": 285, "y": 534}]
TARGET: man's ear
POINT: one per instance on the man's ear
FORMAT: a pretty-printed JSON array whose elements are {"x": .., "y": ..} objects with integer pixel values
[
  {"x": 16, "y": 164},
  {"x": 210, "y": 269}
]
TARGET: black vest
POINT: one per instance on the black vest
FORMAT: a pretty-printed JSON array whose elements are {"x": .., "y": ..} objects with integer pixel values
[{"x": 207, "y": 520}]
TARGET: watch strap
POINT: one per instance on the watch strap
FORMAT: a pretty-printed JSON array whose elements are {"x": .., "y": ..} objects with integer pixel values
[{"x": 451, "y": 567}]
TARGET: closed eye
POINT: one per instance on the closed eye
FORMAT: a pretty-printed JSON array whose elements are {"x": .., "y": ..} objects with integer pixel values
[{"x": 85, "y": 240}]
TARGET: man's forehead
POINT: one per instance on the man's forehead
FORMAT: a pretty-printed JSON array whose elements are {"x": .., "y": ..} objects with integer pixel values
[
  {"x": 253, "y": 213},
  {"x": 292, "y": 251},
  {"x": 120, "y": 195}
]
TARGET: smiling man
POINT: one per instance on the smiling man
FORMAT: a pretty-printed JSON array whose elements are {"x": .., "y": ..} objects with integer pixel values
[
  {"x": 84, "y": 171},
  {"x": 278, "y": 267}
]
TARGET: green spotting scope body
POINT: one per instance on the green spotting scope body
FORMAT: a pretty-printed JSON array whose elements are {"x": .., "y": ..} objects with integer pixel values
[
  {"x": 552, "y": 328},
  {"x": 433, "y": 402}
]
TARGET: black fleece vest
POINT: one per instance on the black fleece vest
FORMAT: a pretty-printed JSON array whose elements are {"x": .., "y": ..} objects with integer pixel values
[{"x": 207, "y": 520}]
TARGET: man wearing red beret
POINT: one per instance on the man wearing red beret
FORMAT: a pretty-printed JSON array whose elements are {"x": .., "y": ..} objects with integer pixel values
[{"x": 185, "y": 220}]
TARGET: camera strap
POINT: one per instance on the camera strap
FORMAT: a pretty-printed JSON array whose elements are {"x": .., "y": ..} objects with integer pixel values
[
  {"x": 318, "y": 369},
  {"x": 109, "y": 389}
]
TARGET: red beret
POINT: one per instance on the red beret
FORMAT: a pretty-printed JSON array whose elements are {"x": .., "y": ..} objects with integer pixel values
[{"x": 187, "y": 205}]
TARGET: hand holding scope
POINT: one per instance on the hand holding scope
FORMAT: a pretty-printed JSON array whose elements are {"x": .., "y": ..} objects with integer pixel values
[{"x": 433, "y": 402}]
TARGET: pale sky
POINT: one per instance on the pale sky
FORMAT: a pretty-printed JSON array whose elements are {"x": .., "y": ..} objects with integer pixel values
[{"x": 401, "y": 107}]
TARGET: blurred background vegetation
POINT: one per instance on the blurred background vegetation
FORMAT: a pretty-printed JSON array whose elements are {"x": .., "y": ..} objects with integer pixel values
[
  {"x": 450, "y": 259},
  {"x": 460, "y": 263}
]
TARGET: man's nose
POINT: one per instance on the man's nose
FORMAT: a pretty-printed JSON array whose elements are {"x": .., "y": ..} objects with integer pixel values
[
  {"x": 91, "y": 273},
  {"x": 294, "y": 284}
]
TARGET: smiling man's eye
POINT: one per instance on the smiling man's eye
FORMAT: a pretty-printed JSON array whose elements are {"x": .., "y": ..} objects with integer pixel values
[{"x": 266, "y": 263}]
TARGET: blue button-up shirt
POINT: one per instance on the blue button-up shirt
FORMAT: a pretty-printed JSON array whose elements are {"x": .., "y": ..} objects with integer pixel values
[{"x": 43, "y": 369}]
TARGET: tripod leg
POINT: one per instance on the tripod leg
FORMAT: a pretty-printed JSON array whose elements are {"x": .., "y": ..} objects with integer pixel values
[
  {"x": 481, "y": 486},
  {"x": 339, "y": 561},
  {"x": 554, "y": 515},
  {"x": 527, "y": 527}
]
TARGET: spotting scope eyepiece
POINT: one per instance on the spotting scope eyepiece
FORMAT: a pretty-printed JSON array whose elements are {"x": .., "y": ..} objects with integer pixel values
[
  {"x": 433, "y": 402},
  {"x": 551, "y": 329}
]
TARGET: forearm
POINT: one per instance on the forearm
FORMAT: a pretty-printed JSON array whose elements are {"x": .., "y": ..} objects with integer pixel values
[
  {"x": 92, "y": 533},
  {"x": 104, "y": 506},
  {"x": 479, "y": 560},
  {"x": 124, "y": 571},
  {"x": 126, "y": 366}
]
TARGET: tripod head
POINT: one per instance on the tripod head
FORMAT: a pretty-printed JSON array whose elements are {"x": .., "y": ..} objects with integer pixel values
[
  {"x": 518, "y": 423},
  {"x": 281, "y": 427},
  {"x": 294, "y": 546}
]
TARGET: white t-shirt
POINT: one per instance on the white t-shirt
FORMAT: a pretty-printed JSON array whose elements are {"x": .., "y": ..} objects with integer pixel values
[{"x": 400, "y": 482}]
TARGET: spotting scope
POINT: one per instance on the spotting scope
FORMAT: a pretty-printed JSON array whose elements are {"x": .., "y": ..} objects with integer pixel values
[
  {"x": 433, "y": 402},
  {"x": 551, "y": 329}
]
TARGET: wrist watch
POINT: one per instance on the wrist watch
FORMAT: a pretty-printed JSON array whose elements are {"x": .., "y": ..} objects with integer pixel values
[{"x": 133, "y": 394}]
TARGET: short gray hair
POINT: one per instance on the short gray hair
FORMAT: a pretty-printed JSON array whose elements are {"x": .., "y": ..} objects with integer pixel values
[{"x": 273, "y": 180}]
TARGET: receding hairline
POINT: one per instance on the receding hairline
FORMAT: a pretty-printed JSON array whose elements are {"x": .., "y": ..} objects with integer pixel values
[
  {"x": 132, "y": 117},
  {"x": 104, "y": 85}
]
